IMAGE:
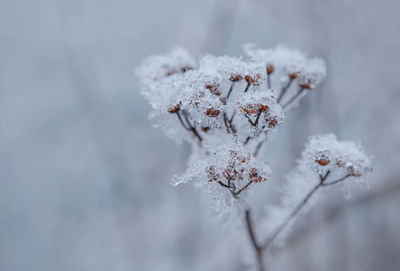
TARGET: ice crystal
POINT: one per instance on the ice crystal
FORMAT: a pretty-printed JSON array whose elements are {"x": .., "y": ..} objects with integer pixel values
[
  {"x": 227, "y": 172},
  {"x": 290, "y": 64}
]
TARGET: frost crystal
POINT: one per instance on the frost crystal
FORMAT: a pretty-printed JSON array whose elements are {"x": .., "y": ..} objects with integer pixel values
[
  {"x": 225, "y": 107},
  {"x": 325, "y": 153},
  {"x": 290, "y": 64},
  {"x": 227, "y": 172}
]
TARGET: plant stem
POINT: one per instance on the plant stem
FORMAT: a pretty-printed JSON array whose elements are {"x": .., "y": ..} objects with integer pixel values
[{"x": 258, "y": 249}]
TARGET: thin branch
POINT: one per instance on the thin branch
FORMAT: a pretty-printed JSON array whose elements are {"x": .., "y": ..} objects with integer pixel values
[
  {"x": 181, "y": 121},
  {"x": 230, "y": 90},
  {"x": 192, "y": 128},
  {"x": 247, "y": 87},
  {"x": 284, "y": 89},
  {"x": 256, "y": 246},
  {"x": 242, "y": 189},
  {"x": 296, "y": 211},
  {"x": 269, "y": 81},
  {"x": 337, "y": 181},
  {"x": 293, "y": 98}
]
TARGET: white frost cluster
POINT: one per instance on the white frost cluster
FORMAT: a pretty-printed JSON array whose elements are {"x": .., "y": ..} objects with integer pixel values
[
  {"x": 323, "y": 153},
  {"x": 310, "y": 71},
  {"x": 343, "y": 159},
  {"x": 218, "y": 99},
  {"x": 224, "y": 172}
]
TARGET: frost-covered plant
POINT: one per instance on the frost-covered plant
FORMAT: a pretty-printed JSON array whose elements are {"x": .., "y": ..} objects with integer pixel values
[{"x": 225, "y": 107}]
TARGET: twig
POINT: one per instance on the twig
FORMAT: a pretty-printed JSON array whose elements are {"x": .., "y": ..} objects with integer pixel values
[
  {"x": 242, "y": 189},
  {"x": 192, "y": 128},
  {"x": 258, "y": 249},
  {"x": 293, "y": 98},
  {"x": 284, "y": 90}
]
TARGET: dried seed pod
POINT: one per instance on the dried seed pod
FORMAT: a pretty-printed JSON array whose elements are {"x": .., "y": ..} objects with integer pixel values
[
  {"x": 213, "y": 88},
  {"x": 171, "y": 72},
  {"x": 293, "y": 76},
  {"x": 174, "y": 109},
  {"x": 305, "y": 86},
  {"x": 270, "y": 69},
  {"x": 235, "y": 77},
  {"x": 264, "y": 108},
  {"x": 272, "y": 123},
  {"x": 323, "y": 161},
  {"x": 212, "y": 112},
  {"x": 186, "y": 68}
]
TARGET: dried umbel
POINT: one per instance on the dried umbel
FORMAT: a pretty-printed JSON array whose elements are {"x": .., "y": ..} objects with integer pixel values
[
  {"x": 329, "y": 154},
  {"x": 225, "y": 107}
]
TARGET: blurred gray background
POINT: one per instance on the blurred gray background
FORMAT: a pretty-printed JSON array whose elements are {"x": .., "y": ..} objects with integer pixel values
[{"x": 84, "y": 178}]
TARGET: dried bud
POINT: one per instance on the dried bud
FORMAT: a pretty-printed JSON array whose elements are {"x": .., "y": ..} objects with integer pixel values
[
  {"x": 293, "y": 76},
  {"x": 249, "y": 109},
  {"x": 305, "y": 86},
  {"x": 213, "y": 89},
  {"x": 353, "y": 172},
  {"x": 323, "y": 161},
  {"x": 171, "y": 72},
  {"x": 252, "y": 80},
  {"x": 211, "y": 112},
  {"x": 236, "y": 77},
  {"x": 270, "y": 69},
  {"x": 272, "y": 123},
  {"x": 264, "y": 108},
  {"x": 186, "y": 68},
  {"x": 174, "y": 109},
  {"x": 205, "y": 129}
]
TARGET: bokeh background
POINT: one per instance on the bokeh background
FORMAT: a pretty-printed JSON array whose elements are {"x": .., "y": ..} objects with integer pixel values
[{"x": 84, "y": 178}]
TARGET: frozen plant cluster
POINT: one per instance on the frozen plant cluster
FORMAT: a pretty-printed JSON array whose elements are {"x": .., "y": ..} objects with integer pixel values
[
  {"x": 225, "y": 107},
  {"x": 325, "y": 162}
]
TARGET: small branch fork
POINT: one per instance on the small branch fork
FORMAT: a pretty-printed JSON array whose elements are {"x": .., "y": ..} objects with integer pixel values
[
  {"x": 232, "y": 187},
  {"x": 188, "y": 126},
  {"x": 261, "y": 248}
]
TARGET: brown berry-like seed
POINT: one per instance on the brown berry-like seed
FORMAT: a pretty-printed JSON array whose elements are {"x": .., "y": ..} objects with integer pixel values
[
  {"x": 305, "y": 86},
  {"x": 323, "y": 162},
  {"x": 205, "y": 129},
  {"x": 186, "y": 68},
  {"x": 248, "y": 79},
  {"x": 236, "y": 77},
  {"x": 213, "y": 89},
  {"x": 171, "y": 72},
  {"x": 270, "y": 69},
  {"x": 264, "y": 108},
  {"x": 272, "y": 123},
  {"x": 211, "y": 112},
  {"x": 174, "y": 109}
]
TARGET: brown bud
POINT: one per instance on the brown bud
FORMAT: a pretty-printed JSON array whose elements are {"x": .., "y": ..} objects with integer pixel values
[
  {"x": 354, "y": 173},
  {"x": 270, "y": 69},
  {"x": 186, "y": 68},
  {"x": 171, "y": 72},
  {"x": 205, "y": 129},
  {"x": 211, "y": 112},
  {"x": 272, "y": 123},
  {"x": 323, "y": 162},
  {"x": 174, "y": 109},
  {"x": 305, "y": 86},
  {"x": 213, "y": 89},
  {"x": 236, "y": 77},
  {"x": 249, "y": 109},
  {"x": 264, "y": 108},
  {"x": 293, "y": 76}
]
